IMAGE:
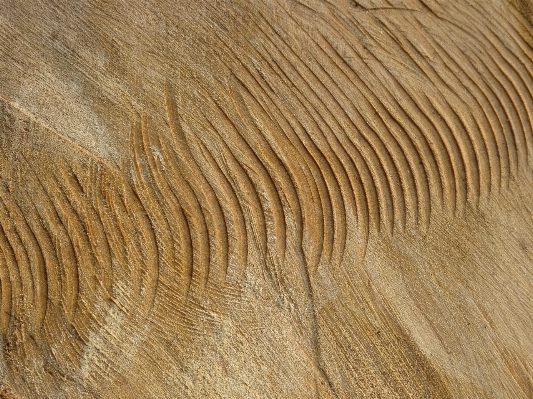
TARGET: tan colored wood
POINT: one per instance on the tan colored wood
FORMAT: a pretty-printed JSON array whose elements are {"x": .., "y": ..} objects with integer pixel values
[{"x": 266, "y": 199}]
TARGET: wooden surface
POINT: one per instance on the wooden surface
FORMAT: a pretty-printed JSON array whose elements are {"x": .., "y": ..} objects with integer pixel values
[{"x": 266, "y": 199}]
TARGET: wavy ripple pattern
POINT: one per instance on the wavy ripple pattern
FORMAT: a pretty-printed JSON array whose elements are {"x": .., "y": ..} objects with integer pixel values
[{"x": 352, "y": 127}]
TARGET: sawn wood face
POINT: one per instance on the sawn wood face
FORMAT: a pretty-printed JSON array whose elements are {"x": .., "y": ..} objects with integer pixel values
[{"x": 266, "y": 199}]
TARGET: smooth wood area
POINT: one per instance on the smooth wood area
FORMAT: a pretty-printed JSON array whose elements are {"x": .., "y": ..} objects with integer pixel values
[{"x": 266, "y": 199}]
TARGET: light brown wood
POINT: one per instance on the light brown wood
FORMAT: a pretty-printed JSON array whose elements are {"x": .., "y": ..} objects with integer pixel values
[{"x": 266, "y": 199}]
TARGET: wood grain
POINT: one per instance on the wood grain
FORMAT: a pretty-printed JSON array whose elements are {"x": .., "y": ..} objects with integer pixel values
[{"x": 266, "y": 199}]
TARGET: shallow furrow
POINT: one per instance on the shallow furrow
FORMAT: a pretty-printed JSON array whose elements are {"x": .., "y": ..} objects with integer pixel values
[
  {"x": 336, "y": 150},
  {"x": 450, "y": 178},
  {"x": 378, "y": 119},
  {"x": 48, "y": 251},
  {"x": 313, "y": 127},
  {"x": 245, "y": 104},
  {"x": 149, "y": 259},
  {"x": 30, "y": 260},
  {"x": 150, "y": 196},
  {"x": 500, "y": 85},
  {"x": 426, "y": 115},
  {"x": 372, "y": 120},
  {"x": 515, "y": 38},
  {"x": 317, "y": 175},
  {"x": 519, "y": 50},
  {"x": 514, "y": 73},
  {"x": 104, "y": 205},
  {"x": 522, "y": 78},
  {"x": 30, "y": 232},
  {"x": 525, "y": 34},
  {"x": 243, "y": 186},
  {"x": 303, "y": 180},
  {"x": 194, "y": 212},
  {"x": 399, "y": 143},
  {"x": 461, "y": 146},
  {"x": 92, "y": 224},
  {"x": 78, "y": 236},
  {"x": 145, "y": 238},
  {"x": 313, "y": 217},
  {"x": 197, "y": 181},
  {"x": 510, "y": 99},
  {"x": 64, "y": 248},
  {"x": 132, "y": 254},
  {"x": 327, "y": 231},
  {"x": 394, "y": 140},
  {"x": 174, "y": 217},
  {"x": 280, "y": 144},
  {"x": 406, "y": 112},
  {"x": 11, "y": 282},
  {"x": 233, "y": 135},
  {"x": 453, "y": 120},
  {"x": 227, "y": 192},
  {"x": 348, "y": 75},
  {"x": 296, "y": 76},
  {"x": 488, "y": 101},
  {"x": 474, "y": 119}
]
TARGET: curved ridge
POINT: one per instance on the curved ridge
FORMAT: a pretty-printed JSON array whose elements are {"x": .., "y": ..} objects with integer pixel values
[
  {"x": 341, "y": 126},
  {"x": 69, "y": 229},
  {"x": 307, "y": 139}
]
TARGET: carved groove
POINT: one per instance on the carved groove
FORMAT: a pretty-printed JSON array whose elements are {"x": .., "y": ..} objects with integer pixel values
[{"x": 309, "y": 140}]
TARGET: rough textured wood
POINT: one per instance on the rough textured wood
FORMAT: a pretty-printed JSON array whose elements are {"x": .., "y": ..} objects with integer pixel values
[{"x": 266, "y": 199}]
